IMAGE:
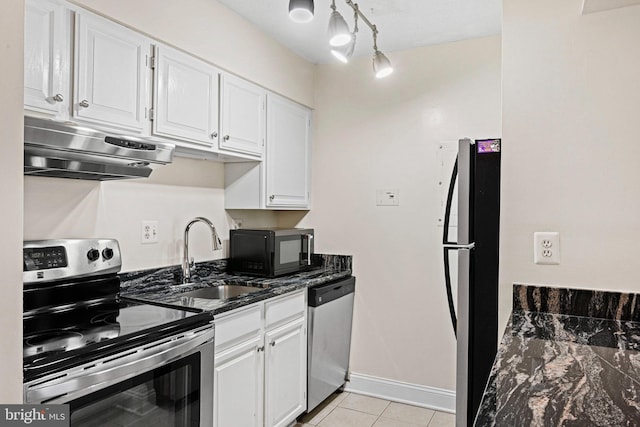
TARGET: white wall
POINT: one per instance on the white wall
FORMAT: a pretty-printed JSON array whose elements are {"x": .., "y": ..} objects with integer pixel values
[
  {"x": 373, "y": 134},
  {"x": 213, "y": 32},
  {"x": 11, "y": 100},
  {"x": 173, "y": 195},
  {"x": 571, "y": 120}
]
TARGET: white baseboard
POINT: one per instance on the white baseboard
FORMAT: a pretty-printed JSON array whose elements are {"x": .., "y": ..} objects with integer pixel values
[{"x": 398, "y": 391}]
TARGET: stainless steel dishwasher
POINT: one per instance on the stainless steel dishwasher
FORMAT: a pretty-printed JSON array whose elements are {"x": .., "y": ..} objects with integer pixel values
[{"x": 329, "y": 324}]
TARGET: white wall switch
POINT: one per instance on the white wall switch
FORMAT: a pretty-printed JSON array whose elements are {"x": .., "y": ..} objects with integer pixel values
[
  {"x": 149, "y": 232},
  {"x": 546, "y": 248},
  {"x": 388, "y": 197}
]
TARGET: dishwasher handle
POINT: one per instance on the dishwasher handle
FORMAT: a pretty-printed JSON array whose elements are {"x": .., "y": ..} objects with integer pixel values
[{"x": 325, "y": 293}]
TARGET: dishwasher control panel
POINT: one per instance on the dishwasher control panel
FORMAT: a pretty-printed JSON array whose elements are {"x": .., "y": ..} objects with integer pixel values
[{"x": 328, "y": 292}]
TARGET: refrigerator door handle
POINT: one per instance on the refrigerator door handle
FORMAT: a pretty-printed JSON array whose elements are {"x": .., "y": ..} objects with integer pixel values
[{"x": 458, "y": 246}]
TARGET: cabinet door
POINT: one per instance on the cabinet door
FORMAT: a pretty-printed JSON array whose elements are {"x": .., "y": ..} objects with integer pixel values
[
  {"x": 186, "y": 97},
  {"x": 285, "y": 373},
  {"x": 242, "y": 116},
  {"x": 238, "y": 385},
  {"x": 46, "y": 57},
  {"x": 111, "y": 74},
  {"x": 288, "y": 153}
]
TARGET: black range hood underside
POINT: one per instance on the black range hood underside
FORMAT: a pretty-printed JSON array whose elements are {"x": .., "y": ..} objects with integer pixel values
[{"x": 75, "y": 169}]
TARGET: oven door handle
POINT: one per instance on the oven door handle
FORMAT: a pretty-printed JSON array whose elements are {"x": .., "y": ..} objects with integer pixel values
[{"x": 80, "y": 381}]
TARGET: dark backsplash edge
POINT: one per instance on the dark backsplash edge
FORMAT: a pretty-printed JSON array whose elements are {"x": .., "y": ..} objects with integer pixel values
[
  {"x": 577, "y": 302},
  {"x": 173, "y": 273}
]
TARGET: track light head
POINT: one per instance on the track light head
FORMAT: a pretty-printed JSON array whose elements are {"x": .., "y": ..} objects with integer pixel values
[
  {"x": 339, "y": 34},
  {"x": 381, "y": 65},
  {"x": 301, "y": 11},
  {"x": 344, "y": 53}
]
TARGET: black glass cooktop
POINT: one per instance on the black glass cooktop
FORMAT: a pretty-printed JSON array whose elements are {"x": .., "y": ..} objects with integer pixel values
[{"x": 85, "y": 325}]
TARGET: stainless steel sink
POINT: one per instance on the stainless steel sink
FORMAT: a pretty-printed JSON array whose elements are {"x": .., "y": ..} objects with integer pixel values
[{"x": 221, "y": 292}]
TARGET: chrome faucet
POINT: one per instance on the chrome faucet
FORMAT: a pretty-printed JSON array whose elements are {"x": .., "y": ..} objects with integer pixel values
[{"x": 187, "y": 263}]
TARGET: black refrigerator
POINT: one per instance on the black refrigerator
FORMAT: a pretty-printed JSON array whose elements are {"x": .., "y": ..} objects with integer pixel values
[{"x": 475, "y": 313}]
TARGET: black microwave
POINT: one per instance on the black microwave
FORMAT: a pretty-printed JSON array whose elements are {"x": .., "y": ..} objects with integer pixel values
[{"x": 270, "y": 252}]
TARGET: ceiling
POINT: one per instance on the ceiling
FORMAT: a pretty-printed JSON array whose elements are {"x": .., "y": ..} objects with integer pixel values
[{"x": 402, "y": 24}]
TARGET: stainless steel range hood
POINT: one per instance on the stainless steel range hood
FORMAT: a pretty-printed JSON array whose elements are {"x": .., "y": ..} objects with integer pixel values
[{"x": 64, "y": 150}]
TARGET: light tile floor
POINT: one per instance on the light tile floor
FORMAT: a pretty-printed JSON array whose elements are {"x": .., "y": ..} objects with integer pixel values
[{"x": 355, "y": 410}]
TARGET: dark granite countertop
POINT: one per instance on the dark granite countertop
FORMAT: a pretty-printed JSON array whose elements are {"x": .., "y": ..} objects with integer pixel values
[
  {"x": 163, "y": 285},
  {"x": 567, "y": 358}
]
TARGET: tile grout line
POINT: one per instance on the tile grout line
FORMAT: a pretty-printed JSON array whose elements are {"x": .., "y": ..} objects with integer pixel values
[
  {"x": 380, "y": 416},
  {"x": 431, "y": 418}
]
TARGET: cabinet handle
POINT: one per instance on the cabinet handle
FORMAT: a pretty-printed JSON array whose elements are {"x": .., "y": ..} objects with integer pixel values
[
  {"x": 214, "y": 135},
  {"x": 84, "y": 103},
  {"x": 271, "y": 197},
  {"x": 226, "y": 137},
  {"x": 260, "y": 349},
  {"x": 273, "y": 343},
  {"x": 58, "y": 97}
]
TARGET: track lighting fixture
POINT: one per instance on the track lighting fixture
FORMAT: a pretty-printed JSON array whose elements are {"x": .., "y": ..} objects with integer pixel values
[
  {"x": 301, "y": 10},
  {"x": 341, "y": 40}
]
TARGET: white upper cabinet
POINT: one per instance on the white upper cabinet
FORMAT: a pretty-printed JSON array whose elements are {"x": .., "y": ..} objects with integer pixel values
[
  {"x": 84, "y": 68},
  {"x": 242, "y": 116},
  {"x": 288, "y": 153},
  {"x": 46, "y": 57},
  {"x": 111, "y": 79},
  {"x": 185, "y": 98},
  {"x": 282, "y": 180}
]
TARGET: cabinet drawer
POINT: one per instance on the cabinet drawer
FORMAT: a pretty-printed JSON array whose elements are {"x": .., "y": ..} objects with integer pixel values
[
  {"x": 285, "y": 308},
  {"x": 237, "y": 326}
]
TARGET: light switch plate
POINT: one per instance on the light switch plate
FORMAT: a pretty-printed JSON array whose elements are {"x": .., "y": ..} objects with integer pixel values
[{"x": 389, "y": 197}]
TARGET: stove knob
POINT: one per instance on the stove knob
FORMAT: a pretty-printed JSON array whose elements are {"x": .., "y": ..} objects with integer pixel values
[
  {"x": 93, "y": 255},
  {"x": 107, "y": 253}
]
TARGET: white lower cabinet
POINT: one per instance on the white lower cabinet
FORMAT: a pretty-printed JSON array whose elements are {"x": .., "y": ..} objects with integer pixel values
[
  {"x": 260, "y": 363},
  {"x": 238, "y": 379},
  {"x": 285, "y": 373}
]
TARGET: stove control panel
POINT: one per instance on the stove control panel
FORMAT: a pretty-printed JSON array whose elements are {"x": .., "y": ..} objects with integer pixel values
[{"x": 48, "y": 260}]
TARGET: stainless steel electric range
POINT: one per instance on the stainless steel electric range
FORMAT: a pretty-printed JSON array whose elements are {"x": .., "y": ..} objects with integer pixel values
[{"x": 115, "y": 361}]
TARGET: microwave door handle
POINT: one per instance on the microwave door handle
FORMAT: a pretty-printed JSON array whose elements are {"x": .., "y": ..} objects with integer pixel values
[{"x": 309, "y": 243}]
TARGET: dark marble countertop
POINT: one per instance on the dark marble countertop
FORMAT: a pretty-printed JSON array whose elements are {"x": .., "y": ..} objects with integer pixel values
[
  {"x": 163, "y": 285},
  {"x": 567, "y": 358}
]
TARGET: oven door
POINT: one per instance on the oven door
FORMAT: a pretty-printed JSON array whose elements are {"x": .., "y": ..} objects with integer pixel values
[{"x": 165, "y": 383}]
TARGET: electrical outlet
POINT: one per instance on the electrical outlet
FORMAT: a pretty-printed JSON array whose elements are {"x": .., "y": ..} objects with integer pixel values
[
  {"x": 546, "y": 248},
  {"x": 149, "y": 232}
]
